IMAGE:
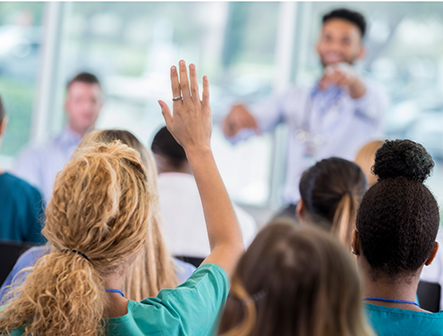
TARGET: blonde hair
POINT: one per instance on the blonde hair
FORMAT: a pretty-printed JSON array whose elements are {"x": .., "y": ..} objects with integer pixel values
[
  {"x": 96, "y": 218},
  {"x": 295, "y": 282},
  {"x": 365, "y": 159},
  {"x": 153, "y": 269}
]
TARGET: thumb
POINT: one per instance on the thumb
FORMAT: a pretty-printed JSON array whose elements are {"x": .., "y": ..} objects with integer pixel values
[{"x": 166, "y": 112}]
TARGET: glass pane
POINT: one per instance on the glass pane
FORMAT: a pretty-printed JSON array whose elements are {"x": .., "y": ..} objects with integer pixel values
[
  {"x": 20, "y": 44},
  {"x": 131, "y": 46}
]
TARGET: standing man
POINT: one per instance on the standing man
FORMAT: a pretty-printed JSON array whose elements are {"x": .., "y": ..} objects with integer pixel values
[
  {"x": 336, "y": 117},
  {"x": 39, "y": 165}
]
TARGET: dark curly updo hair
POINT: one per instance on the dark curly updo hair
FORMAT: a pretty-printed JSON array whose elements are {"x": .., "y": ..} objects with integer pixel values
[{"x": 398, "y": 218}]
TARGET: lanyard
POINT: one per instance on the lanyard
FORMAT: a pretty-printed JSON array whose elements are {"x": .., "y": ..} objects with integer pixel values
[
  {"x": 390, "y": 300},
  {"x": 114, "y": 291}
]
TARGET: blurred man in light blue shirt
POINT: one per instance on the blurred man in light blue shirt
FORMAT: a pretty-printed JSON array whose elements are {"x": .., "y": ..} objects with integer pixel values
[
  {"x": 39, "y": 164},
  {"x": 336, "y": 117}
]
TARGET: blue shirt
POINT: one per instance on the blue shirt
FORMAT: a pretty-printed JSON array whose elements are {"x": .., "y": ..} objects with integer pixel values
[
  {"x": 30, "y": 257},
  {"x": 388, "y": 321},
  {"x": 334, "y": 123},
  {"x": 39, "y": 164},
  {"x": 21, "y": 210}
]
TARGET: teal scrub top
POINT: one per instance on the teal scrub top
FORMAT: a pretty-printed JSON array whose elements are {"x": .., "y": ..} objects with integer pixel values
[
  {"x": 191, "y": 308},
  {"x": 388, "y": 321}
]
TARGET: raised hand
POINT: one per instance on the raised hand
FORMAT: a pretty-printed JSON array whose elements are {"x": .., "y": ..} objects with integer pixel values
[
  {"x": 191, "y": 120},
  {"x": 191, "y": 126}
]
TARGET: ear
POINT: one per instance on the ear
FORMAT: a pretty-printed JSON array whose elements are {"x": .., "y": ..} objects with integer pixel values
[
  {"x": 3, "y": 126},
  {"x": 355, "y": 243},
  {"x": 300, "y": 210},
  {"x": 432, "y": 254}
]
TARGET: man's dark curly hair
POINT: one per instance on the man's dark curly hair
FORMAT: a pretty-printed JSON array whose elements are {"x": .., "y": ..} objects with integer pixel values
[
  {"x": 398, "y": 218},
  {"x": 351, "y": 16}
]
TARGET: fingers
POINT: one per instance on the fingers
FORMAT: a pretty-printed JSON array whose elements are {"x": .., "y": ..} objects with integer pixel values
[
  {"x": 184, "y": 84},
  {"x": 194, "y": 83},
  {"x": 175, "y": 85},
  {"x": 205, "y": 95},
  {"x": 166, "y": 112},
  {"x": 333, "y": 76}
]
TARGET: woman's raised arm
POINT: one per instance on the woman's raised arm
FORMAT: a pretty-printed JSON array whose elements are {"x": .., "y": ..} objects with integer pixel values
[{"x": 191, "y": 125}]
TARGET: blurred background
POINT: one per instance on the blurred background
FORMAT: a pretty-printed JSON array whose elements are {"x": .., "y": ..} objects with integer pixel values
[{"x": 249, "y": 50}]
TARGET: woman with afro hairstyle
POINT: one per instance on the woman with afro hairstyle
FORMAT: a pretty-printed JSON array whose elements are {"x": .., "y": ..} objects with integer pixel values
[{"x": 394, "y": 239}]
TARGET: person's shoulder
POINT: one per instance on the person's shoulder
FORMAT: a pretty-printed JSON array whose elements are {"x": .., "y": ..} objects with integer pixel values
[
  {"x": 30, "y": 256},
  {"x": 18, "y": 185},
  {"x": 38, "y": 147},
  {"x": 401, "y": 314},
  {"x": 207, "y": 277},
  {"x": 394, "y": 321},
  {"x": 197, "y": 301}
]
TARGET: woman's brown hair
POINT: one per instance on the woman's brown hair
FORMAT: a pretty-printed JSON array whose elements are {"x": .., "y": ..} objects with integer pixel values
[
  {"x": 331, "y": 191},
  {"x": 153, "y": 270},
  {"x": 95, "y": 220},
  {"x": 295, "y": 282}
]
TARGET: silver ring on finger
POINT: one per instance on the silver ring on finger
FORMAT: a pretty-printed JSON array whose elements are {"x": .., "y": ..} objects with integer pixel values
[{"x": 177, "y": 98}]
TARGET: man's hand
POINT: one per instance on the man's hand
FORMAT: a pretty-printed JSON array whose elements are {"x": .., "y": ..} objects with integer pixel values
[
  {"x": 238, "y": 119},
  {"x": 344, "y": 75}
]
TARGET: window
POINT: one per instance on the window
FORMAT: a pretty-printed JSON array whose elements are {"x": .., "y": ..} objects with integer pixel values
[
  {"x": 20, "y": 43},
  {"x": 131, "y": 46}
]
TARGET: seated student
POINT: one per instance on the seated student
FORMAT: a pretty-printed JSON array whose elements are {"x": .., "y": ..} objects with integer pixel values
[
  {"x": 181, "y": 208},
  {"x": 96, "y": 222},
  {"x": 21, "y": 205},
  {"x": 153, "y": 270},
  {"x": 295, "y": 282},
  {"x": 39, "y": 163},
  {"x": 331, "y": 191},
  {"x": 396, "y": 227},
  {"x": 365, "y": 159}
]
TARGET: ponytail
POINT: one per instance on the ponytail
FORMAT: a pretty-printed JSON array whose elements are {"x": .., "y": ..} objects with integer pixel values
[
  {"x": 153, "y": 269},
  {"x": 331, "y": 191},
  {"x": 344, "y": 218},
  {"x": 70, "y": 300}
]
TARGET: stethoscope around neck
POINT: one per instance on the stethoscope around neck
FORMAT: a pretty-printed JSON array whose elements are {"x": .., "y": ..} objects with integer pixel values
[{"x": 312, "y": 141}]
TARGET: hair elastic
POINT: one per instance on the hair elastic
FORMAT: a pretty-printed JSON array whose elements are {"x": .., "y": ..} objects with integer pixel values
[{"x": 78, "y": 252}]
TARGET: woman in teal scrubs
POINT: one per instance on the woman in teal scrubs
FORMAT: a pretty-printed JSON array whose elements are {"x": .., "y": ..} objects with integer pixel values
[
  {"x": 96, "y": 223},
  {"x": 395, "y": 234}
]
